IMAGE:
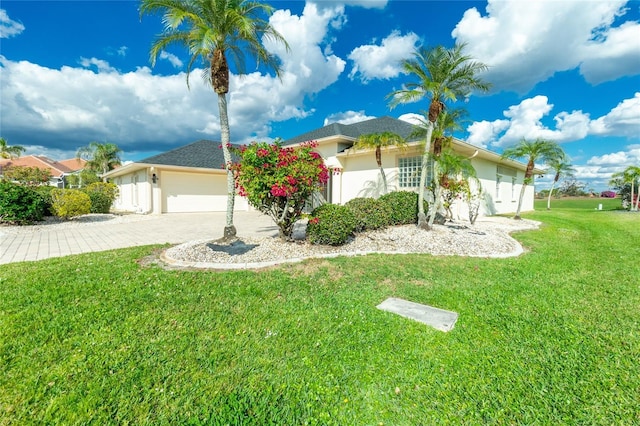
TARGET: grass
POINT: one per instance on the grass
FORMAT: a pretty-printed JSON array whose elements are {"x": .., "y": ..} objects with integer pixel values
[{"x": 550, "y": 337}]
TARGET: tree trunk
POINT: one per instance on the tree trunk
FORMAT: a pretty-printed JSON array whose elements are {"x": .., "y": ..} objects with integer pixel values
[
  {"x": 382, "y": 174},
  {"x": 229, "y": 229},
  {"x": 550, "y": 192},
  {"x": 422, "y": 218},
  {"x": 522, "y": 190},
  {"x": 634, "y": 206},
  {"x": 438, "y": 194}
]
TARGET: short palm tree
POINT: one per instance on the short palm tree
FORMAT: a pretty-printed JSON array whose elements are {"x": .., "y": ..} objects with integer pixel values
[
  {"x": 10, "y": 151},
  {"x": 561, "y": 168},
  {"x": 214, "y": 31},
  {"x": 100, "y": 157},
  {"x": 539, "y": 150},
  {"x": 631, "y": 175},
  {"x": 379, "y": 141},
  {"x": 441, "y": 75},
  {"x": 452, "y": 165}
]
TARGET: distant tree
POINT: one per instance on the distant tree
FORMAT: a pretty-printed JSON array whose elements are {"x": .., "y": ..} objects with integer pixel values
[
  {"x": 30, "y": 176},
  {"x": 81, "y": 179},
  {"x": 631, "y": 176},
  {"x": 573, "y": 188},
  {"x": 561, "y": 168},
  {"x": 538, "y": 150},
  {"x": 441, "y": 75},
  {"x": 213, "y": 30},
  {"x": 9, "y": 151},
  {"x": 379, "y": 141},
  {"x": 100, "y": 157}
]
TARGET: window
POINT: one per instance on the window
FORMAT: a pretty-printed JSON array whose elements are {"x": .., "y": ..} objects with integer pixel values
[
  {"x": 409, "y": 169},
  {"x": 513, "y": 189},
  {"x": 498, "y": 180}
]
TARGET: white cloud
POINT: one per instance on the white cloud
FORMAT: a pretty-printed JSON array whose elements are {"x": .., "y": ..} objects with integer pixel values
[
  {"x": 173, "y": 59},
  {"x": 101, "y": 65},
  {"x": 527, "y": 42},
  {"x": 525, "y": 121},
  {"x": 412, "y": 118},
  {"x": 9, "y": 27},
  {"x": 623, "y": 120},
  {"x": 122, "y": 50},
  {"x": 383, "y": 61},
  {"x": 347, "y": 117},
  {"x": 620, "y": 159}
]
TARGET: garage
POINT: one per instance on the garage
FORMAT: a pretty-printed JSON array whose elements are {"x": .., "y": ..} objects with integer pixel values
[{"x": 195, "y": 192}]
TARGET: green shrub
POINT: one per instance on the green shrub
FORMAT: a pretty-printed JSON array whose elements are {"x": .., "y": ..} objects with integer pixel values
[
  {"x": 19, "y": 204},
  {"x": 45, "y": 193},
  {"x": 404, "y": 207},
  {"x": 370, "y": 213},
  {"x": 331, "y": 224},
  {"x": 68, "y": 203},
  {"x": 102, "y": 196}
]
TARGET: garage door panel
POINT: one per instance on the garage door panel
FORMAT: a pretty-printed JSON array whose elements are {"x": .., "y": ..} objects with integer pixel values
[{"x": 195, "y": 192}]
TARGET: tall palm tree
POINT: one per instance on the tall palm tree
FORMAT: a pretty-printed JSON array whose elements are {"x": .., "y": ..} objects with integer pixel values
[
  {"x": 442, "y": 75},
  {"x": 539, "y": 150},
  {"x": 379, "y": 141},
  {"x": 10, "y": 151},
  {"x": 214, "y": 30},
  {"x": 561, "y": 168},
  {"x": 100, "y": 157}
]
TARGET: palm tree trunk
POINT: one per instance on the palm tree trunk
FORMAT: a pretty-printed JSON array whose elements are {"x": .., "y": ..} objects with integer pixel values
[
  {"x": 422, "y": 218},
  {"x": 384, "y": 180},
  {"x": 634, "y": 206},
  {"x": 229, "y": 229},
  {"x": 550, "y": 192},
  {"x": 437, "y": 196},
  {"x": 522, "y": 190}
]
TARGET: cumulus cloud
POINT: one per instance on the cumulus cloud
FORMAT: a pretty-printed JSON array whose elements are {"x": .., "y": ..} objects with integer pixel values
[
  {"x": 173, "y": 59},
  {"x": 620, "y": 159},
  {"x": 525, "y": 121},
  {"x": 9, "y": 27},
  {"x": 527, "y": 42},
  {"x": 71, "y": 106},
  {"x": 347, "y": 117},
  {"x": 382, "y": 61}
]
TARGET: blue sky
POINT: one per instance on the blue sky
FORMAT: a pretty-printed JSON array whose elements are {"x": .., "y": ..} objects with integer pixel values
[{"x": 72, "y": 72}]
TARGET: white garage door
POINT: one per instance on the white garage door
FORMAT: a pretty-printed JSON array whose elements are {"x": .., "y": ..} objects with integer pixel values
[{"x": 195, "y": 192}]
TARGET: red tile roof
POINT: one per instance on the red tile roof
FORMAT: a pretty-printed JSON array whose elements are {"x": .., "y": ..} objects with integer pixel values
[{"x": 56, "y": 168}]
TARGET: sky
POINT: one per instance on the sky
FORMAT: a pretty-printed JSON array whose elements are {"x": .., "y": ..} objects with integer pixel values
[{"x": 73, "y": 72}]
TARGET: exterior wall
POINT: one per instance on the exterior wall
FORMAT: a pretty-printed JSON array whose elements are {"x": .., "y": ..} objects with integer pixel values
[{"x": 134, "y": 193}]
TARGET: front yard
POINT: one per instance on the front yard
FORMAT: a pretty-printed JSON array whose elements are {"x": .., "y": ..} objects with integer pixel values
[{"x": 550, "y": 337}]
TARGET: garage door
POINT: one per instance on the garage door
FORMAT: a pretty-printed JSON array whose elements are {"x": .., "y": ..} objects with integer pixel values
[{"x": 195, "y": 192}]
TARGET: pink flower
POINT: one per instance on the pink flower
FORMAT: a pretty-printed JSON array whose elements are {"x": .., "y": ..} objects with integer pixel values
[{"x": 314, "y": 221}]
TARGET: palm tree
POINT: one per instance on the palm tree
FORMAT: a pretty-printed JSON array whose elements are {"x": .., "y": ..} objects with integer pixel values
[
  {"x": 379, "y": 141},
  {"x": 453, "y": 166},
  {"x": 538, "y": 150},
  {"x": 10, "y": 151},
  {"x": 630, "y": 175},
  {"x": 442, "y": 75},
  {"x": 100, "y": 157},
  {"x": 213, "y": 30},
  {"x": 562, "y": 168}
]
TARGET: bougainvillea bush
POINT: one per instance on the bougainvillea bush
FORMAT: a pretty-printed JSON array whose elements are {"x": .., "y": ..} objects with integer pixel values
[{"x": 278, "y": 180}]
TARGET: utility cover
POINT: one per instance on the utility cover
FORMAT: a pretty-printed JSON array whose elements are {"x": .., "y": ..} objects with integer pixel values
[{"x": 437, "y": 318}]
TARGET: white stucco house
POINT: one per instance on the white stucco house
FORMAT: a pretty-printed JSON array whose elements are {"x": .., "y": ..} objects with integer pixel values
[{"x": 191, "y": 178}]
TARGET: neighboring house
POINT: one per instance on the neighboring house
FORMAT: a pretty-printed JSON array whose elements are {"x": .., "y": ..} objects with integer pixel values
[
  {"x": 187, "y": 179},
  {"x": 57, "y": 169},
  {"x": 192, "y": 178}
]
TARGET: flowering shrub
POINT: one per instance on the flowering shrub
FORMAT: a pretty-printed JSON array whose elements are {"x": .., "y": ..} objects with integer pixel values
[
  {"x": 331, "y": 224},
  {"x": 278, "y": 180}
]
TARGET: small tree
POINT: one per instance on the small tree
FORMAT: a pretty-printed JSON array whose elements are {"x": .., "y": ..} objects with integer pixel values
[
  {"x": 30, "y": 176},
  {"x": 560, "y": 168},
  {"x": 378, "y": 141},
  {"x": 278, "y": 180},
  {"x": 10, "y": 151}
]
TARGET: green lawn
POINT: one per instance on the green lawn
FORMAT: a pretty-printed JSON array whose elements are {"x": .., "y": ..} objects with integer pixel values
[{"x": 551, "y": 337}]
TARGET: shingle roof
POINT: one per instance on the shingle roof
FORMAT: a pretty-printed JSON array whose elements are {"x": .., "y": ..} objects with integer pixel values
[
  {"x": 203, "y": 153},
  {"x": 375, "y": 125}
]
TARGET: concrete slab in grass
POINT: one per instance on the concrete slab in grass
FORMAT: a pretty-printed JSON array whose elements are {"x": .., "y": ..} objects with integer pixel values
[{"x": 437, "y": 318}]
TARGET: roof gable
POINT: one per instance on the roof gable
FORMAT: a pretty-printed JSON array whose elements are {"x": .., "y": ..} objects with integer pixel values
[
  {"x": 352, "y": 131},
  {"x": 204, "y": 153},
  {"x": 56, "y": 168}
]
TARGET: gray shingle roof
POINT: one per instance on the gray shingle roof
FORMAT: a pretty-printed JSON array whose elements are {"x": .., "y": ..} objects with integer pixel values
[
  {"x": 375, "y": 125},
  {"x": 203, "y": 153}
]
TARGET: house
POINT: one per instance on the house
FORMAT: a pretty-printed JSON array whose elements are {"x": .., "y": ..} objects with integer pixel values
[
  {"x": 192, "y": 178},
  {"x": 57, "y": 169}
]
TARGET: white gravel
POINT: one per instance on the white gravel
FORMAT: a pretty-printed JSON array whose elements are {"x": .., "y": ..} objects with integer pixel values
[
  {"x": 51, "y": 223},
  {"x": 488, "y": 237}
]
